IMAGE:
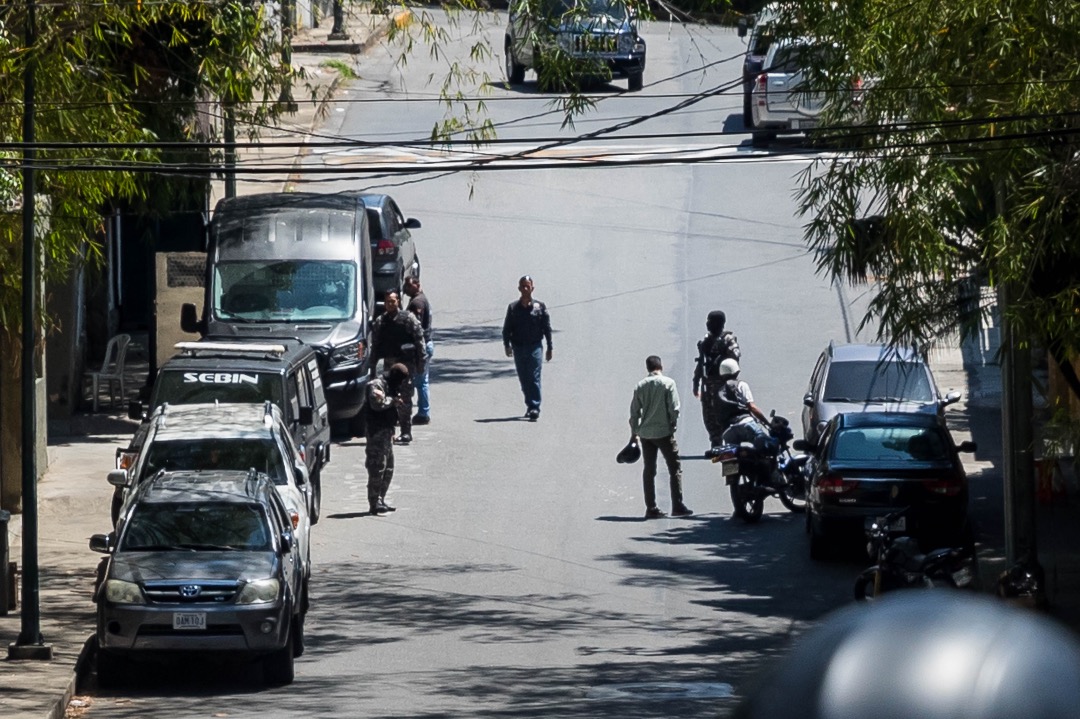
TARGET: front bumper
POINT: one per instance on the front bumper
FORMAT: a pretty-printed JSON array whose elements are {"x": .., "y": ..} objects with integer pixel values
[{"x": 130, "y": 628}]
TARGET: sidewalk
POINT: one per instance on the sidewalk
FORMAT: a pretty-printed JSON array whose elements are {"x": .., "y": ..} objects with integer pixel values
[{"x": 73, "y": 494}]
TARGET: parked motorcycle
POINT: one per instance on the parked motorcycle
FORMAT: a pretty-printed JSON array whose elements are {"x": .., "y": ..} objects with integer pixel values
[
  {"x": 756, "y": 470},
  {"x": 899, "y": 563}
]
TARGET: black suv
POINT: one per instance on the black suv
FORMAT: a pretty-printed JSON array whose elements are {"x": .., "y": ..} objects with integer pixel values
[
  {"x": 600, "y": 37},
  {"x": 203, "y": 562},
  {"x": 761, "y": 28},
  {"x": 285, "y": 372}
]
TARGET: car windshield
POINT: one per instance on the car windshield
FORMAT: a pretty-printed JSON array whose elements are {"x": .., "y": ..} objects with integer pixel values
[
  {"x": 890, "y": 444},
  {"x": 589, "y": 8},
  {"x": 285, "y": 290},
  {"x": 214, "y": 453},
  {"x": 873, "y": 381},
  {"x": 197, "y": 387},
  {"x": 192, "y": 527}
]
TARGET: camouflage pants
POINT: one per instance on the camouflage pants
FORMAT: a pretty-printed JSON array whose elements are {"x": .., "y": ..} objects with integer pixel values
[
  {"x": 405, "y": 409},
  {"x": 379, "y": 461},
  {"x": 710, "y": 410}
]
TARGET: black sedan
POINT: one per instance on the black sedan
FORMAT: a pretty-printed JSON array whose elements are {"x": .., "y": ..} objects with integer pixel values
[{"x": 868, "y": 464}]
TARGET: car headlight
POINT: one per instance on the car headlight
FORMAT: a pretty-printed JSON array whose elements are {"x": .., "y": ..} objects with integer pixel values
[
  {"x": 261, "y": 591},
  {"x": 348, "y": 353},
  {"x": 626, "y": 43},
  {"x": 118, "y": 591}
]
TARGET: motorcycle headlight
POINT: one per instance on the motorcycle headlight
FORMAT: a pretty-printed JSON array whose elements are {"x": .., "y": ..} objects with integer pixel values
[
  {"x": 118, "y": 591},
  {"x": 261, "y": 591}
]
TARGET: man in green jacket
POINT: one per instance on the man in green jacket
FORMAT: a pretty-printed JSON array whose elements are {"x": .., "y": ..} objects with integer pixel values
[{"x": 654, "y": 417}]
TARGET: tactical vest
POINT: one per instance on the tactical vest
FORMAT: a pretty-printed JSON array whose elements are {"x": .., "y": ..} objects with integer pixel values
[{"x": 711, "y": 352}]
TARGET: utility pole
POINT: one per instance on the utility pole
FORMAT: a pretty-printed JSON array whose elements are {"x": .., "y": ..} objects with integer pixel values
[
  {"x": 230, "y": 149},
  {"x": 29, "y": 644}
]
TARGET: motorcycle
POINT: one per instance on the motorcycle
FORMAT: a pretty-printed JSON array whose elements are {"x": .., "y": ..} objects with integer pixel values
[
  {"x": 764, "y": 468},
  {"x": 899, "y": 563}
]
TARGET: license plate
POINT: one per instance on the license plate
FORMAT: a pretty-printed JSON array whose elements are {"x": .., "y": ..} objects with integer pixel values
[
  {"x": 730, "y": 468},
  {"x": 795, "y": 125},
  {"x": 189, "y": 620}
]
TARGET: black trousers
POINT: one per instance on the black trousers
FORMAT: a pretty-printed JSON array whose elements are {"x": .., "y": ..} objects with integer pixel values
[{"x": 670, "y": 449}]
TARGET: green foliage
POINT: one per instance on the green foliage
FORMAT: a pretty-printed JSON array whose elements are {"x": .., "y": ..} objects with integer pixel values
[
  {"x": 130, "y": 74},
  {"x": 964, "y": 143}
]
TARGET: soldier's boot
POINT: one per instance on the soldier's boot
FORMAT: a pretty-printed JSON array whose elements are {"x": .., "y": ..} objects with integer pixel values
[{"x": 375, "y": 504}]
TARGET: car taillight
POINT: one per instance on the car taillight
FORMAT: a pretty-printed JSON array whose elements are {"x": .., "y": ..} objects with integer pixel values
[
  {"x": 385, "y": 247},
  {"x": 944, "y": 487},
  {"x": 761, "y": 86},
  {"x": 833, "y": 484},
  {"x": 295, "y": 517}
]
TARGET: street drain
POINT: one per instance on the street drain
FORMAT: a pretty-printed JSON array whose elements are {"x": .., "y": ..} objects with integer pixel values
[{"x": 665, "y": 691}]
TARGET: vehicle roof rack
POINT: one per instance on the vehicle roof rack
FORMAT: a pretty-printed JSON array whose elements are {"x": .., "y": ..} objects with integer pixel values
[{"x": 193, "y": 349}]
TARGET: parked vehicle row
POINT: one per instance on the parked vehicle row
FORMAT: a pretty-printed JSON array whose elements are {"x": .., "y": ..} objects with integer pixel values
[
  {"x": 215, "y": 495},
  {"x": 876, "y": 460}
]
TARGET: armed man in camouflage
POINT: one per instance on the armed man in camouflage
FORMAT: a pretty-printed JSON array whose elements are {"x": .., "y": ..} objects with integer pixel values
[
  {"x": 717, "y": 346},
  {"x": 380, "y": 415},
  {"x": 397, "y": 336}
]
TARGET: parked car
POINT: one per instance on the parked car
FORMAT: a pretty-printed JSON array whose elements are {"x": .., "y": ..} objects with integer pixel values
[
  {"x": 203, "y": 562},
  {"x": 393, "y": 250},
  {"x": 761, "y": 27},
  {"x": 869, "y": 464},
  {"x": 295, "y": 265},
  {"x": 600, "y": 37},
  {"x": 869, "y": 378},
  {"x": 283, "y": 371},
  {"x": 210, "y": 437}
]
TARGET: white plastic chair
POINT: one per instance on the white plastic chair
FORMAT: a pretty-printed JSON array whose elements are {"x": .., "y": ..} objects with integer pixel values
[{"x": 112, "y": 369}]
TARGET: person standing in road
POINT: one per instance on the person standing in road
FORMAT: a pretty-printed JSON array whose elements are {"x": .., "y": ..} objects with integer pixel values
[
  {"x": 526, "y": 327},
  {"x": 419, "y": 306},
  {"x": 654, "y": 417},
  {"x": 397, "y": 336},
  {"x": 717, "y": 346},
  {"x": 381, "y": 414}
]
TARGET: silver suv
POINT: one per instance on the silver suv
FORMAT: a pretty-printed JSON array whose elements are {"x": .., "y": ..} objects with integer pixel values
[
  {"x": 869, "y": 378},
  {"x": 600, "y": 37},
  {"x": 203, "y": 562},
  {"x": 208, "y": 437}
]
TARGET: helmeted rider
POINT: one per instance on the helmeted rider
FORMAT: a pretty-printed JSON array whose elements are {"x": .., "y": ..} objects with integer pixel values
[
  {"x": 741, "y": 418},
  {"x": 717, "y": 346}
]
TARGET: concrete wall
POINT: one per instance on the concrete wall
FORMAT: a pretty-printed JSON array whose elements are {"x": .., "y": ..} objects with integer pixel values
[
  {"x": 11, "y": 425},
  {"x": 180, "y": 279}
]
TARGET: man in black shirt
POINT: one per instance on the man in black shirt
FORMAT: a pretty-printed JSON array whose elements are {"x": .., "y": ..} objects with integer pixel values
[
  {"x": 526, "y": 327},
  {"x": 419, "y": 306}
]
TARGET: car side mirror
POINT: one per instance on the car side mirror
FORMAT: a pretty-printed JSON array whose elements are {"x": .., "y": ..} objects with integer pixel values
[
  {"x": 808, "y": 400},
  {"x": 286, "y": 542},
  {"x": 306, "y": 415},
  {"x": 967, "y": 446},
  {"x": 742, "y": 27},
  {"x": 301, "y": 473},
  {"x": 801, "y": 445},
  {"x": 102, "y": 543},
  {"x": 189, "y": 320},
  {"x": 951, "y": 397},
  {"x": 118, "y": 478},
  {"x": 412, "y": 223}
]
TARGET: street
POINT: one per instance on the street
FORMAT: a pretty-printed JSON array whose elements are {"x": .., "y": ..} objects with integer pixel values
[{"x": 517, "y": 576}]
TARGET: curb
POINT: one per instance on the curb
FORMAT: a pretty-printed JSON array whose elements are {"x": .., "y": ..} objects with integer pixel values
[
  {"x": 58, "y": 707},
  {"x": 330, "y": 47}
]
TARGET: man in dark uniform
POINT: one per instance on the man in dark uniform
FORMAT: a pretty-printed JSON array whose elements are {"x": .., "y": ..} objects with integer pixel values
[
  {"x": 396, "y": 336},
  {"x": 717, "y": 346},
  {"x": 381, "y": 414}
]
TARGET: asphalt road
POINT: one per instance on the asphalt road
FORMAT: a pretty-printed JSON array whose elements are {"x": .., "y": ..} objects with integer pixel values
[{"x": 518, "y": 578}]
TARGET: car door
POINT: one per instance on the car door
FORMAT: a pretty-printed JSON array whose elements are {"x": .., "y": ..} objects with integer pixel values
[
  {"x": 401, "y": 236},
  {"x": 810, "y": 399}
]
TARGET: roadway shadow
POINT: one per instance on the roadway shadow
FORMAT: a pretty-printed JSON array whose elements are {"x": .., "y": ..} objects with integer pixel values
[
  {"x": 468, "y": 334},
  {"x": 488, "y": 420},
  {"x": 471, "y": 370}
]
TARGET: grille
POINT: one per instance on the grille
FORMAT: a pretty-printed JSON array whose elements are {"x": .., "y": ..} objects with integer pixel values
[
  {"x": 595, "y": 43},
  {"x": 191, "y": 592}
]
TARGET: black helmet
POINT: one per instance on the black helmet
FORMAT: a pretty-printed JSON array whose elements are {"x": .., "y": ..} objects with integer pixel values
[
  {"x": 929, "y": 654},
  {"x": 715, "y": 322},
  {"x": 629, "y": 454}
]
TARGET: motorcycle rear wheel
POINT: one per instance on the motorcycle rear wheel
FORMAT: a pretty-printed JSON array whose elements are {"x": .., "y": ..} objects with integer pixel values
[
  {"x": 794, "y": 501},
  {"x": 748, "y": 505}
]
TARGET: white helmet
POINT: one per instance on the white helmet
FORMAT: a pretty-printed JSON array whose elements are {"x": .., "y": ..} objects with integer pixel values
[{"x": 729, "y": 368}]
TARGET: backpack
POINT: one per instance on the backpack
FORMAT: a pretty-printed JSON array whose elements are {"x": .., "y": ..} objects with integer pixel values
[{"x": 714, "y": 350}]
